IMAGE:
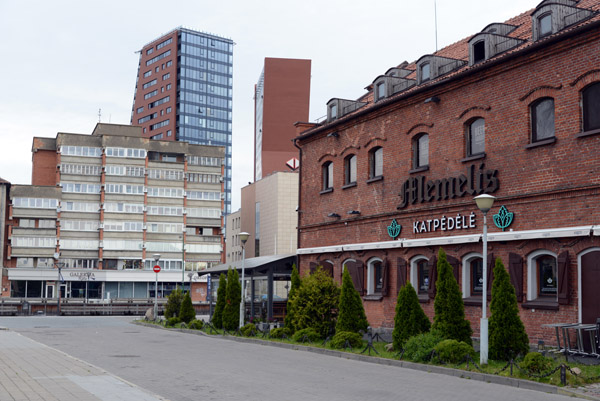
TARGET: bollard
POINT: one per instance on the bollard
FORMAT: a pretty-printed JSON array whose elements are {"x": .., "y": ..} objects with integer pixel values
[
  {"x": 563, "y": 374},
  {"x": 511, "y": 367}
]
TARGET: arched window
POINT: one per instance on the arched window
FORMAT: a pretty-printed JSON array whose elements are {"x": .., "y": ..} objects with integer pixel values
[
  {"x": 350, "y": 170},
  {"x": 327, "y": 172},
  {"x": 542, "y": 272},
  {"x": 374, "y": 276},
  {"x": 476, "y": 137},
  {"x": 542, "y": 119},
  {"x": 421, "y": 150},
  {"x": 420, "y": 275},
  {"x": 376, "y": 162},
  {"x": 472, "y": 275},
  {"x": 591, "y": 107}
]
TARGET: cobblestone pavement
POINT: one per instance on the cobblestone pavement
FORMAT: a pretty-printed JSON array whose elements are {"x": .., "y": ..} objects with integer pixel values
[
  {"x": 184, "y": 367},
  {"x": 32, "y": 371}
]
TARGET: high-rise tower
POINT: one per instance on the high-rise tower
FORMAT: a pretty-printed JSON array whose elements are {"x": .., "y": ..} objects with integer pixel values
[{"x": 184, "y": 92}]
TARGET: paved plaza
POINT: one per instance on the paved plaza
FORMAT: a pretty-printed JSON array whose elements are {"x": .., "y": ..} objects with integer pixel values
[{"x": 108, "y": 358}]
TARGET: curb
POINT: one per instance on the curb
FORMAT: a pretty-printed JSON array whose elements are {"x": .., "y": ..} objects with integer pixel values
[{"x": 483, "y": 377}]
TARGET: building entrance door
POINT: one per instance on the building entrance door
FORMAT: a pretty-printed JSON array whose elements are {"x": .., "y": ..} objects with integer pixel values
[
  {"x": 590, "y": 296},
  {"x": 50, "y": 291}
]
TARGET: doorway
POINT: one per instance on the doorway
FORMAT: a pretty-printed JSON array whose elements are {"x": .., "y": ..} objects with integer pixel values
[{"x": 590, "y": 296}]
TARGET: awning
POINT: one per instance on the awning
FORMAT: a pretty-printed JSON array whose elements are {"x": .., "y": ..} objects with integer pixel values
[{"x": 260, "y": 265}]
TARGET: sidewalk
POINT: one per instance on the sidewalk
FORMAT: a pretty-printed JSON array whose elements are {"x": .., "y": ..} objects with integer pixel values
[{"x": 32, "y": 371}]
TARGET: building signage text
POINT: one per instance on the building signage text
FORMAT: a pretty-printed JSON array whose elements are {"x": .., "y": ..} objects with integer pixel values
[
  {"x": 458, "y": 222},
  {"x": 477, "y": 181}
]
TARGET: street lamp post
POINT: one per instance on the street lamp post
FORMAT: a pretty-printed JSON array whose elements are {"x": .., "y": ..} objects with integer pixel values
[
  {"x": 243, "y": 237},
  {"x": 156, "y": 259},
  {"x": 58, "y": 282},
  {"x": 484, "y": 203}
]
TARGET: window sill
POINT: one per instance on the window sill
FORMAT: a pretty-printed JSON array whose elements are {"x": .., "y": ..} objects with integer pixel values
[
  {"x": 351, "y": 185},
  {"x": 541, "y": 304},
  {"x": 418, "y": 169},
  {"x": 543, "y": 142},
  {"x": 326, "y": 191},
  {"x": 472, "y": 301},
  {"x": 375, "y": 179},
  {"x": 588, "y": 133},
  {"x": 423, "y": 298},
  {"x": 474, "y": 157},
  {"x": 373, "y": 297}
]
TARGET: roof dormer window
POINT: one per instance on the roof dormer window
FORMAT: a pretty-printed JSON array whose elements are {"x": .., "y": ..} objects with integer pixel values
[
  {"x": 380, "y": 90},
  {"x": 333, "y": 112},
  {"x": 425, "y": 72},
  {"x": 545, "y": 25},
  {"x": 479, "y": 51}
]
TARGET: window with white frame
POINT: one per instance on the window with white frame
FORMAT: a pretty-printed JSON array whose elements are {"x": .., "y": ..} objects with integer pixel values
[
  {"x": 45, "y": 263},
  {"x": 47, "y": 223},
  {"x": 80, "y": 263},
  {"x": 35, "y": 203},
  {"x": 84, "y": 151},
  {"x": 124, "y": 245},
  {"x": 79, "y": 225},
  {"x": 117, "y": 225},
  {"x": 204, "y": 195},
  {"x": 125, "y": 189},
  {"x": 126, "y": 152},
  {"x": 131, "y": 171},
  {"x": 173, "y": 228},
  {"x": 24, "y": 262},
  {"x": 420, "y": 275},
  {"x": 74, "y": 187},
  {"x": 27, "y": 223},
  {"x": 165, "y": 192},
  {"x": 165, "y": 210},
  {"x": 80, "y": 169},
  {"x": 374, "y": 276},
  {"x": 203, "y": 212},
  {"x": 472, "y": 275},
  {"x": 120, "y": 207},
  {"x": 33, "y": 242},
  {"x": 89, "y": 207},
  {"x": 542, "y": 273},
  {"x": 79, "y": 244}
]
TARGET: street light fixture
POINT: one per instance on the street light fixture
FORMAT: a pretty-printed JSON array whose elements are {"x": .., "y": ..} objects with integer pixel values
[
  {"x": 484, "y": 203},
  {"x": 243, "y": 237},
  {"x": 156, "y": 259}
]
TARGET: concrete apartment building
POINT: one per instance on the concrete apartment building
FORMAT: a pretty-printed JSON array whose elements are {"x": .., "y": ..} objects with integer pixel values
[
  {"x": 183, "y": 92},
  {"x": 102, "y": 205}
]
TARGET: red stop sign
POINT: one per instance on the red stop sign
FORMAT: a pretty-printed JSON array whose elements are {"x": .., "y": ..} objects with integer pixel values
[{"x": 156, "y": 269}]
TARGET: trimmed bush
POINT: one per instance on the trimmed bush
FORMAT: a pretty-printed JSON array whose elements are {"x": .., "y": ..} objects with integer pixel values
[
  {"x": 507, "y": 332},
  {"x": 418, "y": 348},
  {"x": 449, "y": 309},
  {"x": 249, "y": 330},
  {"x": 410, "y": 319},
  {"x": 217, "y": 318},
  {"x": 452, "y": 351},
  {"x": 196, "y": 324},
  {"x": 172, "y": 321},
  {"x": 295, "y": 285},
  {"x": 342, "y": 338},
  {"x": 231, "y": 311},
  {"x": 315, "y": 304},
  {"x": 536, "y": 363},
  {"x": 351, "y": 312},
  {"x": 187, "y": 313},
  {"x": 279, "y": 332},
  {"x": 310, "y": 334},
  {"x": 173, "y": 303}
]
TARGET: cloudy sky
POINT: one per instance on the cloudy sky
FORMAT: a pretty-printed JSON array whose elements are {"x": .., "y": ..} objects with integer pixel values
[{"x": 62, "y": 61}]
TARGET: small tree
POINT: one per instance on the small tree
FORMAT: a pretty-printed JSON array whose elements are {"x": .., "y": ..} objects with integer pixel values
[
  {"x": 315, "y": 304},
  {"x": 448, "y": 305},
  {"x": 410, "y": 319},
  {"x": 351, "y": 312},
  {"x": 295, "y": 285},
  {"x": 187, "y": 313},
  {"x": 231, "y": 311},
  {"x": 217, "y": 318},
  {"x": 173, "y": 304},
  {"x": 507, "y": 333}
]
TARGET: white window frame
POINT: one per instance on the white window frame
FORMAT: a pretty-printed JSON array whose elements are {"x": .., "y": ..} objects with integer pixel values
[
  {"x": 532, "y": 272},
  {"x": 414, "y": 272},
  {"x": 466, "y": 272},
  {"x": 371, "y": 275}
]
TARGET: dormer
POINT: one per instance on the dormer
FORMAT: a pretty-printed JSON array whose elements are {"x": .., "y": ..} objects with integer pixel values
[
  {"x": 385, "y": 85},
  {"x": 398, "y": 72},
  {"x": 552, "y": 16},
  {"x": 337, "y": 108},
  {"x": 491, "y": 42},
  {"x": 430, "y": 67}
]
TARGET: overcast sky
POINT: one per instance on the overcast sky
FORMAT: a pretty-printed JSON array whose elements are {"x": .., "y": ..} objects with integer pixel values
[{"x": 61, "y": 61}]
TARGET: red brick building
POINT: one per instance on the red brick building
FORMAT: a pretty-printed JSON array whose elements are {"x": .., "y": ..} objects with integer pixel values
[{"x": 513, "y": 111}]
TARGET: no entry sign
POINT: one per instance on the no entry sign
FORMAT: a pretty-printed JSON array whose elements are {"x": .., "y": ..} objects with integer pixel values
[{"x": 156, "y": 268}]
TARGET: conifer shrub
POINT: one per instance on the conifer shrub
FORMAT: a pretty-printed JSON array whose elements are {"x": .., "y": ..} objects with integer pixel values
[
  {"x": 449, "y": 309},
  {"x": 315, "y": 305},
  {"x": 217, "y": 318},
  {"x": 173, "y": 303},
  {"x": 342, "y": 339},
  {"x": 536, "y": 363},
  {"x": 507, "y": 332},
  {"x": 351, "y": 312},
  {"x": 249, "y": 330},
  {"x": 410, "y": 319},
  {"x": 295, "y": 285},
  {"x": 418, "y": 348},
  {"x": 279, "y": 332},
  {"x": 196, "y": 324},
  {"x": 306, "y": 335},
  {"x": 231, "y": 311},
  {"x": 452, "y": 351},
  {"x": 187, "y": 313},
  {"x": 172, "y": 321}
]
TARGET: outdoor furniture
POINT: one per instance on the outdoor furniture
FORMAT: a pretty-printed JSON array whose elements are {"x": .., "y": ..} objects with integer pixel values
[{"x": 558, "y": 327}]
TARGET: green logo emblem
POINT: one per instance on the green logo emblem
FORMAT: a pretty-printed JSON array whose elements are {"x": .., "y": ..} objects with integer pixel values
[
  {"x": 394, "y": 229},
  {"x": 504, "y": 218}
]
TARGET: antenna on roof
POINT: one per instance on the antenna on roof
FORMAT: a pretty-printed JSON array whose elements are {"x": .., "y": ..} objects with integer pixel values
[
  {"x": 99, "y": 115},
  {"x": 435, "y": 14}
]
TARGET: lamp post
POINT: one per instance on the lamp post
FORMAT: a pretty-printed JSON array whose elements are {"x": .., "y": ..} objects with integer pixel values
[
  {"x": 156, "y": 259},
  {"x": 243, "y": 237},
  {"x": 183, "y": 263},
  {"x": 58, "y": 281},
  {"x": 484, "y": 203}
]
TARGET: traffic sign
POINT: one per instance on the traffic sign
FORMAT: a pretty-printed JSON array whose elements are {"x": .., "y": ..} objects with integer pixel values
[{"x": 156, "y": 269}]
